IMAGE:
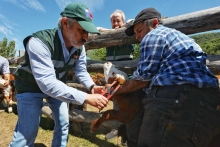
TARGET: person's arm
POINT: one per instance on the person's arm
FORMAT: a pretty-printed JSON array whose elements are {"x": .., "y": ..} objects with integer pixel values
[
  {"x": 131, "y": 86},
  {"x": 81, "y": 72},
  {"x": 83, "y": 76},
  {"x": 6, "y": 72},
  {"x": 44, "y": 74}
]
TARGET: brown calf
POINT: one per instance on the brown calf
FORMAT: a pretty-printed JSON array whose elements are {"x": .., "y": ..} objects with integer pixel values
[
  {"x": 129, "y": 103},
  {"x": 6, "y": 93}
]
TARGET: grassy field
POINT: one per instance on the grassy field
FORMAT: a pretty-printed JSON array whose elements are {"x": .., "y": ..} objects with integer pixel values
[{"x": 44, "y": 137}]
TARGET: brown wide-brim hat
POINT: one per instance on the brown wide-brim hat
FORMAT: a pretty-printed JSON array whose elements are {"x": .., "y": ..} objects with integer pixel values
[{"x": 145, "y": 14}]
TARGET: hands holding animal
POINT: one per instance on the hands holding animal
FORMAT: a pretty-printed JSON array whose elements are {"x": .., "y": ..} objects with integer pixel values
[{"x": 96, "y": 99}]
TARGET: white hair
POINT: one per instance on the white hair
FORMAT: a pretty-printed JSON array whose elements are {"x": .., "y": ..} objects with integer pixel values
[
  {"x": 118, "y": 11},
  {"x": 70, "y": 20},
  {"x": 149, "y": 22}
]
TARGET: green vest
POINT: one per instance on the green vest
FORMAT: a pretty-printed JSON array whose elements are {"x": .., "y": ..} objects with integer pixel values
[
  {"x": 120, "y": 52},
  {"x": 24, "y": 79}
]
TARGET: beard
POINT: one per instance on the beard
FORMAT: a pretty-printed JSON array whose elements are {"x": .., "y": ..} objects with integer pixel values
[{"x": 77, "y": 44}]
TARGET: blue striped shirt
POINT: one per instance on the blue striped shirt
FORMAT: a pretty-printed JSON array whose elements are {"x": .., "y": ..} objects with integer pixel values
[{"x": 169, "y": 57}]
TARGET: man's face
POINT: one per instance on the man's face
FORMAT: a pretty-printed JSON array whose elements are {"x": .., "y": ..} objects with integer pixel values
[
  {"x": 116, "y": 20},
  {"x": 75, "y": 35},
  {"x": 140, "y": 30}
]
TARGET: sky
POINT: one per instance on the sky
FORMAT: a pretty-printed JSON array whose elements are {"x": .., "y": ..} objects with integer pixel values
[{"x": 20, "y": 18}]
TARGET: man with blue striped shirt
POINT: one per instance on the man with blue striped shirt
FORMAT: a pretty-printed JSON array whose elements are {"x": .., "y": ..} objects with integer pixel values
[
  {"x": 49, "y": 55},
  {"x": 181, "y": 106}
]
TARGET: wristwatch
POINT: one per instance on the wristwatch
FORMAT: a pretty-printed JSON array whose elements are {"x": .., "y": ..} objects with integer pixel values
[{"x": 90, "y": 88}]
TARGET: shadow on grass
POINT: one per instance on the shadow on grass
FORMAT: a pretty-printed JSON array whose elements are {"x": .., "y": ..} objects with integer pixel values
[
  {"x": 46, "y": 123},
  {"x": 92, "y": 137},
  {"x": 39, "y": 145}
]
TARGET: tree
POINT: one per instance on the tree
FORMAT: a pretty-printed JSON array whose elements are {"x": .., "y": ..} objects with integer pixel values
[
  {"x": 7, "y": 50},
  {"x": 209, "y": 42},
  {"x": 100, "y": 54}
]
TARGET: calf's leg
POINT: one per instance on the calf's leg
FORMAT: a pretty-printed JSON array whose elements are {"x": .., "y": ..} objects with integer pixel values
[{"x": 108, "y": 115}]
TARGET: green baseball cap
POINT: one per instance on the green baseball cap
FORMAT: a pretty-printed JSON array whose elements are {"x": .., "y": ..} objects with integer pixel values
[{"x": 82, "y": 15}]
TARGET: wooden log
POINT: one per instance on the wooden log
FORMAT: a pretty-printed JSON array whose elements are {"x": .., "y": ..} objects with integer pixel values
[
  {"x": 77, "y": 86},
  {"x": 15, "y": 60},
  {"x": 190, "y": 23},
  {"x": 81, "y": 116},
  {"x": 126, "y": 66},
  {"x": 213, "y": 62},
  {"x": 196, "y": 22}
]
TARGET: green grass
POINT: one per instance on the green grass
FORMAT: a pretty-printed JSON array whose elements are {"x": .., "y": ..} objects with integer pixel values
[{"x": 45, "y": 133}]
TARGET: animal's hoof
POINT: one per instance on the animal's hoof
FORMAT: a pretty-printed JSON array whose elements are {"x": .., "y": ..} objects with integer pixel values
[
  {"x": 9, "y": 109},
  {"x": 93, "y": 127},
  {"x": 93, "y": 130}
]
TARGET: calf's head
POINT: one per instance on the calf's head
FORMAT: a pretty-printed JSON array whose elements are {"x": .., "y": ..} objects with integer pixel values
[{"x": 111, "y": 74}]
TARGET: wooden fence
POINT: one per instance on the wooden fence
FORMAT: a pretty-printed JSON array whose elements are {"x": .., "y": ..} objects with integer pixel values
[{"x": 191, "y": 23}]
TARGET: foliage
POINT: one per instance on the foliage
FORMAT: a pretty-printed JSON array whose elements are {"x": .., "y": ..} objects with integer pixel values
[
  {"x": 209, "y": 42},
  {"x": 136, "y": 51},
  {"x": 97, "y": 54},
  {"x": 7, "y": 49},
  {"x": 100, "y": 54}
]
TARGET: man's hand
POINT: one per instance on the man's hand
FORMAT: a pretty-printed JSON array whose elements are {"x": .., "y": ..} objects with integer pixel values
[
  {"x": 96, "y": 100},
  {"x": 97, "y": 89}
]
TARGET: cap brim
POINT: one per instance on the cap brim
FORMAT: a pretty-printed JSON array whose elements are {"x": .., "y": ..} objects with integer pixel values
[
  {"x": 130, "y": 31},
  {"x": 89, "y": 27}
]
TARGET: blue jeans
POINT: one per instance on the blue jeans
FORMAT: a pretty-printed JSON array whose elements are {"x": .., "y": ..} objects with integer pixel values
[
  {"x": 176, "y": 116},
  {"x": 29, "y": 113}
]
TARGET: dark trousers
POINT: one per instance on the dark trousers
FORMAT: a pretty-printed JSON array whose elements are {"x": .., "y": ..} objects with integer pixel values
[{"x": 176, "y": 116}]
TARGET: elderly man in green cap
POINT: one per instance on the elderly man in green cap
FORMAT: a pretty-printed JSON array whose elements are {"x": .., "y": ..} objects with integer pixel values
[{"x": 49, "y": 55}]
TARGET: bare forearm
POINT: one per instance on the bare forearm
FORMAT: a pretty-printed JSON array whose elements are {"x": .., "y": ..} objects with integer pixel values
[{"x": 132, "y": 85}]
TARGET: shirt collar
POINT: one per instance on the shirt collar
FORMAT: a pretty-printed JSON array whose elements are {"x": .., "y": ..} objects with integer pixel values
[{"x": 66, "y": 53}]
